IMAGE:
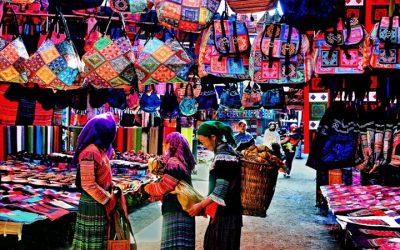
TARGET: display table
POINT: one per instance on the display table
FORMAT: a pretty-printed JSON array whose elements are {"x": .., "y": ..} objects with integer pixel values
[{"x": 369, "y": 215}]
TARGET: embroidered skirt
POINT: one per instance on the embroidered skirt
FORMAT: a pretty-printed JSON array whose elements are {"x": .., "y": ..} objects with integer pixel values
[
  {"x": 91, "y": 225},
  {"x": 224, "y": 233},
  {"x": 178, "y": 231}
]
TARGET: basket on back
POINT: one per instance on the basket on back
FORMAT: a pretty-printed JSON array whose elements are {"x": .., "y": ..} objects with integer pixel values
[{"x": 259, "y": 171}]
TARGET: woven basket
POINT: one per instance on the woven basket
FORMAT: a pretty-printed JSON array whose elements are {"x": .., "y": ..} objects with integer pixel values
[{"x": 258, "y": 187}]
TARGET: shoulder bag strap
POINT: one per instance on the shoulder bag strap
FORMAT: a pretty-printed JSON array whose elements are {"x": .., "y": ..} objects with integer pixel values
[{"x": 271, "y": 44}]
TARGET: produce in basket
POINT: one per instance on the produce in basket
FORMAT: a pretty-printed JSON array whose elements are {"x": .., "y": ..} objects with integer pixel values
[
  {"x": 261, "y": 154},
  {"x": 156, "y": 165}
]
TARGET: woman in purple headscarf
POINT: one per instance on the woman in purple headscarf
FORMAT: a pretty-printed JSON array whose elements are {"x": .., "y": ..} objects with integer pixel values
[
  {"x": 94, "y": 182},
  {"x": 178, "y": 229}
]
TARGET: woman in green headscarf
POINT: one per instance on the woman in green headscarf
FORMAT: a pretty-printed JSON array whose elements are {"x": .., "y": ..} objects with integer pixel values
[{"x": 223, "y": 201}]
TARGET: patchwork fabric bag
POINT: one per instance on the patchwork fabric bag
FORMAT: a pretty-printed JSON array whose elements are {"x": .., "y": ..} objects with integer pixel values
[
  {"x": 386, "y": 44},
  {"x": 149, "y": 102},
  {"x": 251, "y": 6},
  {"x": 160, "y": 61},
  {"x": 280, "y": 55},
  {"x": 55, "y": 66},
  {"x": 169, "y": 106},
  {"x": 12, "y": 56},
  {"x": 188, "y": 105},
  {"x": 186, "y": 15},
  {"x": 131, "y": 6},
  {"x": 109, "y": 64},
  {"x": 251, "y": 98},
  {"x": 224, "y": 51},
  {"x": 343, "y": 49}
]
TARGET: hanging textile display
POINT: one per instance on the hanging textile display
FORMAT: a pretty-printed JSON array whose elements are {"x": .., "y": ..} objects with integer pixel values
[
  {"x": 55, "y": 66},
  {"x": 8, "y": 108},
  {"x": 160, "y": 61},
  {"x": 12, "y": 56},
  {"x": 224, "y": 51},
  {"x": 119, "y": 140},
  {"x": 169, "y": 126},
  {"x": 145, "y": 142},
  {"x": 386, "y": 44},
  {"x": 343, "y": 49},
  {"x": 109, "y": 64},
  {"x": 186, "y": 15},
  {"x": 188, "y": 134},
  {"x": 131, "y": 6},
  {"x": 42, "y": 117},
  {"x": 153, "y": 140},
  {"x": 20, "y": 138},
  {"x": 281, "y": 55},
  {"x": 31, "y": 139}
]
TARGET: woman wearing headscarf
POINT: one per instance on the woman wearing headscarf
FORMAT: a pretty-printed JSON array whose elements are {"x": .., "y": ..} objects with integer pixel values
[
  {"x": 223, "y": 201},
  {"x": 178, "y": 228},
  {"x": 94, "y": 180}
]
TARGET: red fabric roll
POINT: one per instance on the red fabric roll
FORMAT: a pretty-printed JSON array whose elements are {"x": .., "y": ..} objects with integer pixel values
[
  {"x": 129, "y": 144},
  {"x": 120, "y": 139},
  {"x": 56, "y": 134},
  {"x": 166, "y": 132},
  {"x": 2, "y": 144}
]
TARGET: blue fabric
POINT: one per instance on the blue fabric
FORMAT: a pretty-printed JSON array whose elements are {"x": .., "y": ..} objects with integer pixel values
[
  {"x": 21, "y": 217},
  {"x": 243, "y": 138},
  {"x": 149, "y": 103}
]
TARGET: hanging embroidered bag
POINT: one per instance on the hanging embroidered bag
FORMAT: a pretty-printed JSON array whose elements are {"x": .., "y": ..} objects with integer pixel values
[
  {"x": 207, "y": 99},
  {"x": 109, "y": 64},
  {"x": 224, "y": 51},
  {"x": 186, "y": 15},
  {"x": 149, "y": 102},
  {"x": 251, "y": 97},
  {"x": 160, "y": 61},
  {"x": 131, "y": 6},
  {"x": 169, "y": 105},
  {"x": 343, "y": 49},
  {"x": 273, "y": 98},
  {"x": 12, "y": 56},
  {"x": 386, "y": 44},
  {"x": 280, "y": 55},
  {"x": 188, "y": 105},
  {"x": 58, "y": 65}
]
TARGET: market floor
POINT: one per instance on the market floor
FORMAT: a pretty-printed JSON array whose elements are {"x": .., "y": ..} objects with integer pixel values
[{"x": 293, "y": 221}]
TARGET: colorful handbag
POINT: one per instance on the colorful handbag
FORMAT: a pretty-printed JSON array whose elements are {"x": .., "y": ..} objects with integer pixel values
[
  {"x": 109, "y": 64},
  {"x": 55, "y": 66},
  {"x": 224, "y": 51},
  {"x": 186, "y": 15},
  {"x": 12, "y": 56},
  {"x": 386, "y": 44},
  {"x": 188, "y": 105},
  {"x": 251, "y": 6},
  {"x": 280, "y": 55},
  {"x": 342, "y": 49},
  {"x": 163, "y": 62},
  {"x": 251, "y": 97},
  {"x": 149, "y": 102},
  {"x": 131, "y": 6}
]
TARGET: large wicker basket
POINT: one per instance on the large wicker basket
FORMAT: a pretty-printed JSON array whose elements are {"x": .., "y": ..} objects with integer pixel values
[{"x": 258, "y": 187}]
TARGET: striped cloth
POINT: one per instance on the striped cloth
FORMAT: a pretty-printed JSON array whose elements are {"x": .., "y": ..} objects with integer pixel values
[
  {"x": 91, "y": 225},
  {"x": 178, "y": 231}
]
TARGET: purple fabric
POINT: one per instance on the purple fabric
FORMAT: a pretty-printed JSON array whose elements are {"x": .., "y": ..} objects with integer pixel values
[
  {"x": 100, "y": 131},
  {"x": 179, "y": 148}
]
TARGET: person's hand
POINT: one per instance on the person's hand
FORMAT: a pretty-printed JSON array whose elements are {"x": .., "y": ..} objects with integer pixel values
[
  {"x": 195, "y": 209},
  {"x": 110, "y": 205}
]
